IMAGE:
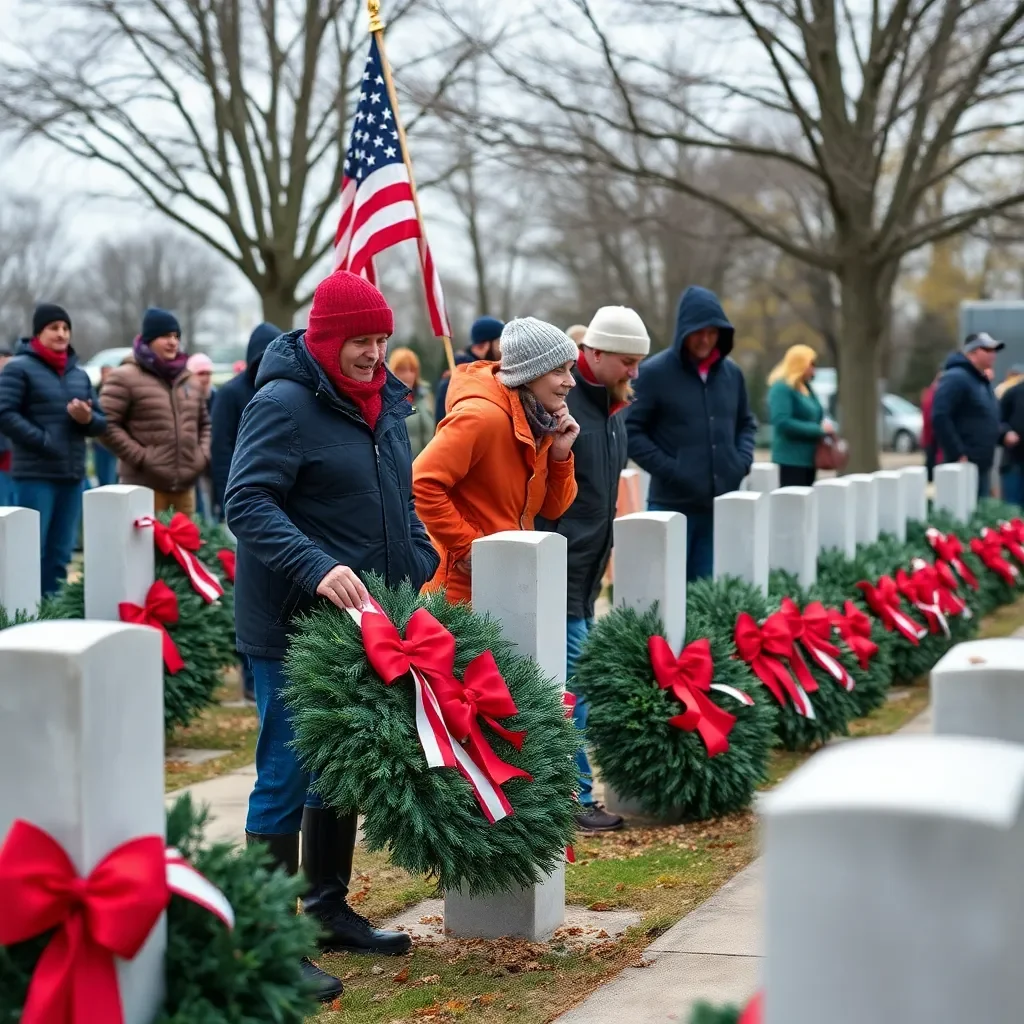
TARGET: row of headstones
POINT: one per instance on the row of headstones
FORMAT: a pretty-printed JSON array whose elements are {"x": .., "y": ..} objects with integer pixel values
[{"x": 892, "y": 865}]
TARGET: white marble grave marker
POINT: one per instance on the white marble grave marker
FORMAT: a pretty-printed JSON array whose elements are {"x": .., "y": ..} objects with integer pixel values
[
  {"x": 892, "y": 884},
  {"x": 82, "y": 755},
  {"x": 865, "y": 501},
  {"x": 741, "y": 537},
  {"x": 892, "y": 509},
  {"x": 837, "y": 516},
  {"x": 19, "y": 561},
  {"x": 915, "y": 492},
  {"x": 951, "y": 489},
  {"x": 794, "y": 532},
  {"x": 970, "y": 487},
  {"x": 119, "y": 558},
  {"x": 762, "y": 478},
  {"x": 520, "y": 578}
]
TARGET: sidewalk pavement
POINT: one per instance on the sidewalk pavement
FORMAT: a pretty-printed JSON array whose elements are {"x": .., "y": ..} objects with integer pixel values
[{"x": 227, "y": 798}]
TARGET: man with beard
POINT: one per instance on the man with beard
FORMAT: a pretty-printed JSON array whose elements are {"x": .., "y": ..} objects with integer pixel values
[
  {"x": 484, "y": 346},
  {"x": 610, "y": 353}
]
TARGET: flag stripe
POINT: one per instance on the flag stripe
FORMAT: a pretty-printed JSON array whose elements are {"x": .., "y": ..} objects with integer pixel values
[{"x": 383, "y": 239}]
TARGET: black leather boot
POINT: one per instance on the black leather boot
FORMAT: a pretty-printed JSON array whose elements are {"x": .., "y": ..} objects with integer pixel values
[
  {"x": 328, "y": 842},
  {"x": 284, "y": 849}
]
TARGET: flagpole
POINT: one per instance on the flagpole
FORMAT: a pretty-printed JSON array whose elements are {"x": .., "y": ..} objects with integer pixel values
[{"x": 377, "y": 31}]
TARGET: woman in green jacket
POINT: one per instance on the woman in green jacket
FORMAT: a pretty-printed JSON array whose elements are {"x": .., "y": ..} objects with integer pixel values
[
  {"x": 405, "y": 365},
  {"x": 796, "y": 416}
]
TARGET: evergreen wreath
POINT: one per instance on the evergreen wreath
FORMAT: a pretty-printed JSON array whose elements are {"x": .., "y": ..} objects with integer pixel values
[
  {"x": 204, "y": 633},
  {"x": 248, "y": 975},
  {"x": 704, "y": 1013},
  {"x": 642, "y": 755},
  {"x": 358, "y": 737}
]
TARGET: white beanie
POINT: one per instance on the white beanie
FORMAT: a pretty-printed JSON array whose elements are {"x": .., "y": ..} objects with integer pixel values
[
  {"x": 618, "y": 329},
  {"x": 530, "y": 348}
]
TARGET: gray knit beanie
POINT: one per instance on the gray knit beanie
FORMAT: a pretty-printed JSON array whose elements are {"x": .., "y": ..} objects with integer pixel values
[{"x": 530, "y": 348}]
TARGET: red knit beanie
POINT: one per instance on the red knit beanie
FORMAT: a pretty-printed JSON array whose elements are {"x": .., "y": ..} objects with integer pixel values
[{"x": 345, "y": 306}]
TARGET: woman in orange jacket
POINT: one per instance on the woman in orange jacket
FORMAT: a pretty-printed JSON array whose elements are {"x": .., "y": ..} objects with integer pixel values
[{"x": 503, "y": 454}]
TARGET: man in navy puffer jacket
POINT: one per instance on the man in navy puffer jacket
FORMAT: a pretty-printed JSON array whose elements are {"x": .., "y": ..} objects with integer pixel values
[
  {"x": 320, "y": 491},
  {"x": 47, "y": 409},
  {"x": 690, "y": 425}
]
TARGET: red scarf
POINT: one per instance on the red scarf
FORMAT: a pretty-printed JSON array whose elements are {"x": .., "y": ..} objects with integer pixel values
[
  {"x": 57, "y": 361},
  {"x": 588, "y": 375},
  {"x": 704, "y": 366},
  {"x": 365, "y": 393}
]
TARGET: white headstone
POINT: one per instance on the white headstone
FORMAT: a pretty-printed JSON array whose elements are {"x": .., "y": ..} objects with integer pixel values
[
  {"x": 892, "y": 884},
  {"x": 951, "y": 489},
  {"x": 892, "y": 508},
  {"x": 741, "y": 537},
  {"x": 970, "y": 487},
  {"x": 763, "y": 477},
  {"x": 978, "y": 690},
  {"x": 19, "y": 560},
  {"x": 915, "y": 492},
  {"x": 119, "y": 557},
  {"x": 519, "y": 577},
  {"x": 865, "y": 501},
  {"x": 794, "y": 532},
  {"x": 837, "y": 516},
  {"x": 650, "y": 565},
  {"x": 82, "y": 755}
]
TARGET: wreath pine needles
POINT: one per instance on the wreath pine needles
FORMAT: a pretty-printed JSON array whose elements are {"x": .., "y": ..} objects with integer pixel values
[
  {"x": 358, "y": 738},
  {"x": 642, "y": 756}
]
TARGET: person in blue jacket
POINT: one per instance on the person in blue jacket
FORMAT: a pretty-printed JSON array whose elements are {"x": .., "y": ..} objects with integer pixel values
[
  {"x": 690, "y": 424},
  {"x": 484, "y": 344},
  {"x": 965, "y": 413},
  {"x": 320, "y": 492},
  {"x": 48, "y": 409}
]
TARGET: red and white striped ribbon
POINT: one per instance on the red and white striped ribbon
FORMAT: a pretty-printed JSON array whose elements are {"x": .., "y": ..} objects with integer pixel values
[
  {"x": 205, "y": 584},
  {"x": 184, "y": 880},
  {"x": 825, "y": 661},
  {"x": 440, "y": 748},
  {"x": 743, "y": 698}
]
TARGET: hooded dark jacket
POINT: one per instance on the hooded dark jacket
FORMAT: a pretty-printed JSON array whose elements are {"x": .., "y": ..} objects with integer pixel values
[
  {"x": 694, "y": 436},
  {"x": 441, "y": 395},
  {"x": 600, "y": 456},
  {"x": 48, "y": 444},
  {"x": 312, "y": 487},
  {"x": 965, "y": 414},
  {"x": 232, "y": 398}
]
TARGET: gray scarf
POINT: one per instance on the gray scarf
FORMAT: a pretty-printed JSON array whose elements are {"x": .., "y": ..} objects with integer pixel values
[{"x": 542, "y": 423}]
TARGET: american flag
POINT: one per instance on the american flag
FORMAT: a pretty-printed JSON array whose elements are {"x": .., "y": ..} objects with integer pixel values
[{"x": 377, "y": 205}]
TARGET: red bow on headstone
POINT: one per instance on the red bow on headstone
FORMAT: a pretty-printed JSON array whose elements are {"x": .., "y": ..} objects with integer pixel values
[
  {"x": 948, "y": 549},
  {"x": 884, "y": 601},
  {"x": 763, "y": 649},
  {"x": 109, "y": 914},
  {"x": 159, "y": 611},
  {"x": 814, "y": 631},
  {"x": 989, "y": 548},
  {"x": 689, "y": 678},
  {"x": 226, "y": 557},
  {"x": 481, "y": 694},
  {"x": 923, "y": 590},
  {"x": 855, "y": 629},
  {"x": 181, "y": 539}
]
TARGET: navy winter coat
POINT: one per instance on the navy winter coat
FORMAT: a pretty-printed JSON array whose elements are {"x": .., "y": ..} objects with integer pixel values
[
  {"x": 441, "y": 394},
  {"x": 965, "y": 414},
  {"x": 312, "y": 487},
  {"x": 695, "y": 437},
  {"x": 48, "y": 444},
  {"x": 226, "y": 413}
]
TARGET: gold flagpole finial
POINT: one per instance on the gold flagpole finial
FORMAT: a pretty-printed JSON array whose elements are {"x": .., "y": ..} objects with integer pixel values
[{"x": 376, "y": 24}]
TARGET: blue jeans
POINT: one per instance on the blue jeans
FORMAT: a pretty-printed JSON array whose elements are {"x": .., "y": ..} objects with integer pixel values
[
  {"x": 248, "y": 682},
  {"x": 1012, "y": 480},
  {"x": 59, "y": 505},
  {"x": 984, "y": 483},
  {"x": 700, "y": 542},
  {"x": 105, "y": 464},
  {"x": 7, "y": 491},
  {"x": 282, "y": 785},
  {"x": 576, "y": 631}
]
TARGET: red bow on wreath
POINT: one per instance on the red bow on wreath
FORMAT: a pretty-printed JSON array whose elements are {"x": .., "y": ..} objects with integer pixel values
[
  {"x": 855, "y": 629},
  {"x": 989, "y": 548},
  {"x": 763, "y": 649},
  {"x": 814, "y": 631},
  {"x": 754, "y": 1013},
  {"x": 428, "y": 647},
  {"x": 180, "y": 539},
  {"x": 226, "y": 557},
  {"x": 481, "y": 694},
  {"x": 948, "y": 549},
  {"x": 922, "y": 589},
  {"x": 884, "y": 601},
  {"x": 159, "y": 611},
  {"x": 1010, "y": 535},
  {"x": 689, "y": 678}
]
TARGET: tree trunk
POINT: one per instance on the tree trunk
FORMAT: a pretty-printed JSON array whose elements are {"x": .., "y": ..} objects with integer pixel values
[
  {"x": 280, "y": 307},
  {"x": 863, "y": 312}
]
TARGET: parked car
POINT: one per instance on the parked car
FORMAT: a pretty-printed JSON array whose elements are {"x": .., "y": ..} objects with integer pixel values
[{"x": 902, "y": 423}]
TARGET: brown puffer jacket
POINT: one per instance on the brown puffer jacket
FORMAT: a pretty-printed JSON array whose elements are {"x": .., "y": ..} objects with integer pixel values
[{"x": 160, "y": 434}]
